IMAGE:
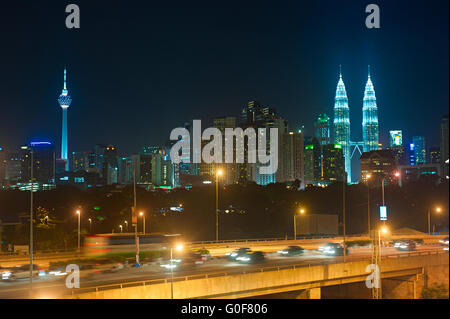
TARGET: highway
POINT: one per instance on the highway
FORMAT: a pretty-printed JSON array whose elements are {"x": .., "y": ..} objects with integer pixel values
[{"x": 54, "y": 287}]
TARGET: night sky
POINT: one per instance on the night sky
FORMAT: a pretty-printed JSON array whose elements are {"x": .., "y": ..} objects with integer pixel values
[{"x": 138, "y": 69}]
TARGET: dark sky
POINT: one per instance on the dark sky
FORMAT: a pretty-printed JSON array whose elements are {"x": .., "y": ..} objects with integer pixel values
[{"x": 137, "y": 69}]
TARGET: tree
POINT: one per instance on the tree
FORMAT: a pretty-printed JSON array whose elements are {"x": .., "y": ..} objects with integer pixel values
[{"x": 436, "y": 291}]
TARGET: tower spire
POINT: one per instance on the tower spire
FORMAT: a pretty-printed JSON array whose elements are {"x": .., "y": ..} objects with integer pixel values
[
  {"x": 65, "y": 88},
  {"x": 368, "y": 68},
  {"x": 340, "y": 71}
]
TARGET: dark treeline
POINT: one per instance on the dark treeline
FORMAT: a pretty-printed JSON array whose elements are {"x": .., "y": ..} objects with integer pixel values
[{"x": 254, "y": 211}]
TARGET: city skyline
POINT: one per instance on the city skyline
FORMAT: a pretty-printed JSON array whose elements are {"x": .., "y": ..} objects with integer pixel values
[{"x": 119, "y": 104}]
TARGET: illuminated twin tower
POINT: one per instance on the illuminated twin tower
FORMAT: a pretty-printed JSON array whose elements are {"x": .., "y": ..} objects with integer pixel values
[
  {"x": 64, "y": 101},
  {"x": 341, "y": 124}
]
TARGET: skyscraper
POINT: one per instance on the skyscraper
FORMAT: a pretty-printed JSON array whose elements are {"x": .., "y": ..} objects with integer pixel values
[
  {"x": 341, "y": 123},
  {"x": 370, "y": 118},
  {"x": 332, "y": 167},
  {"x": 444, "y": 146},
  {"x": 322, "y": 129},
  {"x": 395, "y": 138},
  {"x": 420, "y": 150},
  {"x": 64, "y": 101}
]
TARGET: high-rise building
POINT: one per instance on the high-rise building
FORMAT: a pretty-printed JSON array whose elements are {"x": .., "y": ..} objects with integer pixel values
[
  {"x": 111, "y": 165},
  {"x": 420, "y": 150},
  {"x": 434, "y": 155},
  {"x": 125, "y": 171},
  {"x": 322, "y": 129},
  {"x": 44, "y": 162},
  {"x": 64, "y": 101},
  {"x": 312, "y": 161},
  {"x": 162, "y": 171},
  {"x": 2, "y": 167},
  {"x": 79, "y": 161},
  {"x": 332, "y": 163},
  {"x": 293, "y": 158},
  {"x": 13, "y": 168},
  {"x": 341, "y": 124},
  {"x": 379, "y": 164},
  {"x": 96, "y": 159},
  {"x": 444, "y": 147},
  {"x": 395, "y": 138},
  {"x": 370, "y": 118}
]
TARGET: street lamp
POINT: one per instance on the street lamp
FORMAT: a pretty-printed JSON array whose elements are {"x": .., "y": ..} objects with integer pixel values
[
  {"x": 437, "y": 210},
  {"x": 79, "y": 228},
  {"x": 143, "y": 219},
  {"x": 178, "y": 247},
  {"x": 121, "y": 228},
  {"x": 126, "y": 223},
  {"x": 218, "y": 174},
  {"x": 301, "y": 211},
  {"x": 368, "y": 176},
  {"x": 90, "y": 226}
]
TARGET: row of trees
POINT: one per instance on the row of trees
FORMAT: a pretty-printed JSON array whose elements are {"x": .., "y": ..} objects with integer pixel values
[{"x": 246, "y": 211}]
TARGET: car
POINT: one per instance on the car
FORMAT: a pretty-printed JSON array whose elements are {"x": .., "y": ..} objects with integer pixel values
[
  {"x": 22, "y": 272},
  {"x": 182, "y": 262},
  {"x": 238, "y": 253},
  {"x": 333, "y": 249},
  {"x": 407, "y": 245},
  {"x": 252, "y": 257},
  {"x": 291, "y": 251},
  {"x": 325, "y": 247}
]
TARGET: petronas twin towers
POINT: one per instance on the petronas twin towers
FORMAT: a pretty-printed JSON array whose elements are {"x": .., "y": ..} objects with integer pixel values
[{"x": 341, "y": 124}]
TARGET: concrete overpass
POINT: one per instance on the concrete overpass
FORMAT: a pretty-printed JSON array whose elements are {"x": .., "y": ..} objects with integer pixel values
[{"x": 307, "y": 279}]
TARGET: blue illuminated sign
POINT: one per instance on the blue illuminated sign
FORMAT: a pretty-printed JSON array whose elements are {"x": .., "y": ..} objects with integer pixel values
[{"x": 383, "y": 213}]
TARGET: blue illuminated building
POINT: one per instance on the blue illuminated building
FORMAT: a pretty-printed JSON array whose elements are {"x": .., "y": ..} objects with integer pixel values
[
  {"x": 370, "y": 118},
  {"x": 64, "y": 101},
  {"x": 341, "y": 123}
]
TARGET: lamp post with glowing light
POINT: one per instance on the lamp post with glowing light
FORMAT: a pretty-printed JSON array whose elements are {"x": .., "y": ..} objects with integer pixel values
[
  {"x": 300, "y": 211},
  {"x": 437, "y": 210},
  {"x": 218, "y": 174},
  {"x": 126, "y": 223},
  {"x": 121, "y": 228},
  {"x": 143, "y": 219},
  {"x": 178, "y": 247},
  {"x": 79, "y": 228},
  {"x": 90, "y": 225}
]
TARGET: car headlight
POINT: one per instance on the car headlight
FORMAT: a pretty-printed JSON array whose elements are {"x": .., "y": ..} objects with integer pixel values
[
  {"x": 403, "y": 246},
  {"x": 6, "y": 274},
  {"x": 169, "y": 266}
]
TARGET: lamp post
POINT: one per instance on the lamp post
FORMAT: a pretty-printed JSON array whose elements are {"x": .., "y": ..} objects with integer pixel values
[
  {"x": 376, "y": 287},
  {"x": 31, "y": 224},
  {"x": 368, "y": 176},
  {"x": 90, "y": 226},
  {"x": 301, "y": 211},
  {"x": 121, "y": 228},
  {"x": 143, "y": 219},
  {"x": 134, "y": 216},
  {"x": 218, "y": 174},
  {"x": 79, "y": 228},
  {"x": 437, "y": 210},
  {"x": 126, "y": 223},
  {"x": 178, "y": 247}
]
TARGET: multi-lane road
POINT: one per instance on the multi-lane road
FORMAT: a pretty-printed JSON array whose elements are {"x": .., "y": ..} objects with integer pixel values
[{"x": 54, "y": 287}]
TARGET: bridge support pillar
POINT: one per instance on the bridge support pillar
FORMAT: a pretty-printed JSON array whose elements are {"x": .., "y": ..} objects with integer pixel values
[{"x": 313, "y": 293}]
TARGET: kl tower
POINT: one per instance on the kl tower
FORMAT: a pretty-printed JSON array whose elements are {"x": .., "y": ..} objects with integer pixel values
[{"x": 64, "y": 101}]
